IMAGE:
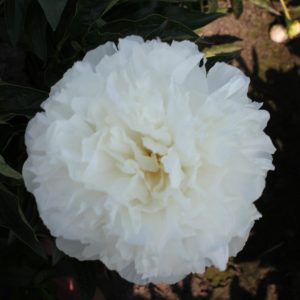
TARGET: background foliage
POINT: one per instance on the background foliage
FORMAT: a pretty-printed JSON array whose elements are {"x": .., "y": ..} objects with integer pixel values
[{"x": 52, "y": 35}]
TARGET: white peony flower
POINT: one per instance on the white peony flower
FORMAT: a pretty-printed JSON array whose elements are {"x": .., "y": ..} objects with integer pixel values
[{"x": 145, "y": 161}]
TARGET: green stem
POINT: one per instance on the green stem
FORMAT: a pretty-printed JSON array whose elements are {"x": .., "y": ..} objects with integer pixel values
[{"x": 285, "y": 10}]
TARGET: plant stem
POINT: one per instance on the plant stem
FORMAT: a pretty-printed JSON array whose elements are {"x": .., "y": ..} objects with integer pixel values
[{"x": 285, "y": 10}]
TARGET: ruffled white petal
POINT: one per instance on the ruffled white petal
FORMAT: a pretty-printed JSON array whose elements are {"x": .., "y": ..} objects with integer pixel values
[
  {"x": 94, "y": 56},
  {"x": 144, "y": 161}
]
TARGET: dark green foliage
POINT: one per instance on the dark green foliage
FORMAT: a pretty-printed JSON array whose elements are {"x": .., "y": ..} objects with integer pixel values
[
  {"x": 237, "y": 7},
  {"x": 15, "y": 14},
  {"x": 12, "y": 217},
  {"x": 36, "y": 20},
  {"x": 213, "y": 5},
  {"x": 86, "y": 278},
  {"x": 224, "y": 57},
  {"x": 88, "y": 12},
  {"x": 18, "y": 100},
  {"x": 149, "y": 27},
  {"x": 35, "y": 35},
  {"x": 53, "y": 10},
  {"x": 190, "y": 18},
  {"x": 7, "y": 171}
]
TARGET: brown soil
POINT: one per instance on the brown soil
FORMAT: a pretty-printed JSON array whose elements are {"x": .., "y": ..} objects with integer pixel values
[{"x": 253, "y": 30}]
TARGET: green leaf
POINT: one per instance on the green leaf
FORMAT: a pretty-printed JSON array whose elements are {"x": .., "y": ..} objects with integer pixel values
[
  {"x": 46, "y": 295},
  {"x": 265, "y": 4},
  {"x": 87, "y": 12},
  {"x": 19, "y": 100},
  {"x": 221, "y": 49},
  {"x": 8, "y": 133},
  {"x": 53, "y": 10},
  {"x": 110, "y": 4},
  {"x": 150, "y": 27},
  {"x": 190, "y": 18},
  {"x": 43, "y": 275},
  {"x": 8, "y": 171},
  {"x": 36, "y": 31},
  {"x": 224, "y": 57},
  {"x": 16, "y": 276},
  {"x": 237, "y": 7},
  {"x": 57, "y": 255},
  {"x": 136, "y": 10},
  {"x": 213, "y": 5},
  {"x": 12, "y": 217},
  {"x": 15, "y": 13}
]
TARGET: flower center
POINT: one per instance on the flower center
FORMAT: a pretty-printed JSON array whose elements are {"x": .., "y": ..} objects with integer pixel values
[{"x": 157, "y": 178}]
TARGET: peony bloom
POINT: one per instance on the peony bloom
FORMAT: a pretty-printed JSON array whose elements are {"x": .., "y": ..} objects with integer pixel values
[{"x": 145, "y": 161}]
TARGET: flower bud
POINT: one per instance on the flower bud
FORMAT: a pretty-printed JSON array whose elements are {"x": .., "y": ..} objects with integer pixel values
[
  {"x": 278, "y": 34},
  {"x": 294, "y": 29}
]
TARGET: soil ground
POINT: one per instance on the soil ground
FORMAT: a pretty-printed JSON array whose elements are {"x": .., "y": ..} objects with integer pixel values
[{"x": 257, "y": 48}]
